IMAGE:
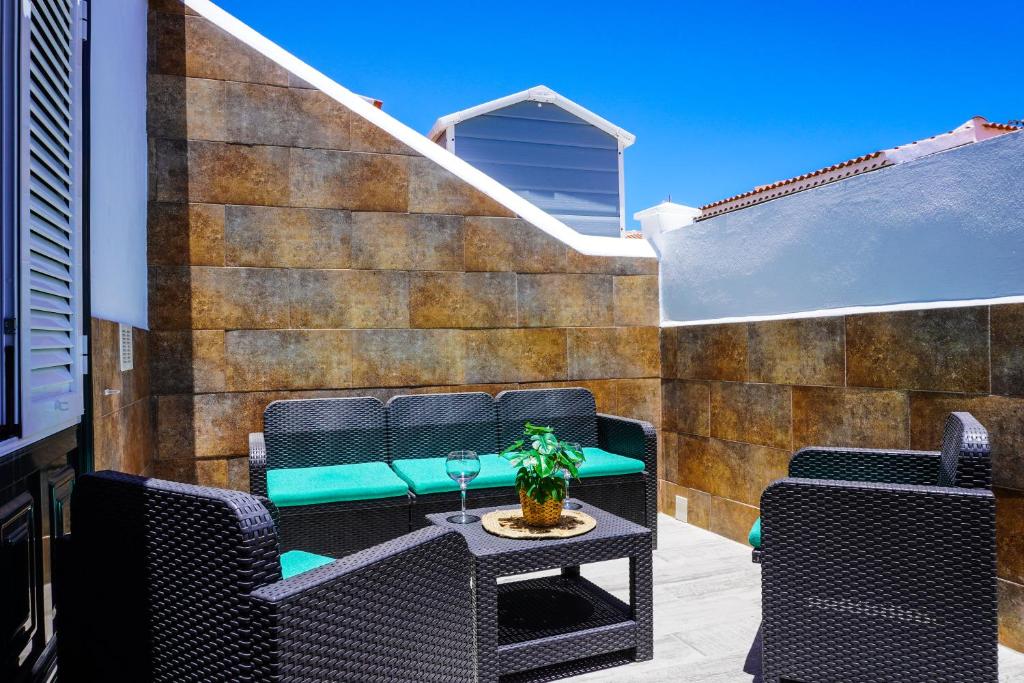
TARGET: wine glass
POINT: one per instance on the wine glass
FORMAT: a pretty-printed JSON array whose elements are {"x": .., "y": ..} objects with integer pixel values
[
  {"x": 569, "y": 505},
  {"x": 462, "y": 466}
]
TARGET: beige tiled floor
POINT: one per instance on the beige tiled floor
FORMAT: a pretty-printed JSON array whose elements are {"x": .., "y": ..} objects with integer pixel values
[{"x": 707, "y": 601}]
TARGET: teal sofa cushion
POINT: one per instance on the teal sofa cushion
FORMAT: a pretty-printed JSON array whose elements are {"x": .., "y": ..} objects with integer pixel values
[
  {"x": 601, "y": 463},
  {"x": 297, "y": 561},
  {"x": 755, "y": 534},
  {"x": 333, "y": 484},
  {"x": 427, "y": 475}
]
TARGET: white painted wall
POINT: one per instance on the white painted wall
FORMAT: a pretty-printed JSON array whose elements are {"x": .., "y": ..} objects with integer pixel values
[
  {"x": 944, "y": 228},
  {"x": 118, "y": 164}
]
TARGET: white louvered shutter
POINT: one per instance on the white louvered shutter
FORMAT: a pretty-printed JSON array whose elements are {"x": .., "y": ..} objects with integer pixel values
[{"x": 49, "y": 324}]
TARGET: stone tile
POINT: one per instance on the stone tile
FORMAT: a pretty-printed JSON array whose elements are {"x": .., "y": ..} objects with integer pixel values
[
  {"x": 669, "y": 340},
  {"x": 667, "y": 492},
  {"x": 801, "y": 351},
  {"x": 610, "y": 265},
  {"x": 223, "y": 423},
  {"x": 614, "y": 352},
  {"x": 686, "y": 407},
  {"x": 515, "y": 355},
  {"x": 639, "y": 399},
  {"x": 185, "y": 108},
  {"x": 183, "y": 471},
  {"x": 274, "y": 237},
  {"x": 433, "y": 189},
  {"x": 732, "y": 519},
  {"x": 1002, "y": 416},
  {"x": 174, "y": 420},
  {"x": 172, "y": 361},
  {"x": 291, "y": 117},
  {"x": 1008, "y": 349},
  {"x": 698, "y": 507},
  {"x": 863, "y": 418},
  {"x": 185, "y": 234},
  {"x": 106, "y": 366},
  {"x": 929, "y": 350},
  {"x": 462, "y": 300},
  {"x": 211, "y": 52},
  {"x": 170, "y": 298},
  {"x": 730, "y": 469},
  {"x": 166, "y": 43},
  {"x": 212, "y": 473},
  {"x": 108, "y": 441},
  {"x": 368, "y": 137},
  {"x": 239, "y": 298},
  {"x": 636, "y": 300},
  {"x": 238, "y": 474},
  {"x": 1011, "y": 614},
  {"x": 221, "y": 173},
  {"x": 331, "y": 179},
  {"x": 388, "y": 358},
  {"x": 349, "y": 299},
  {"x": 137, "y": 444},
  {"x": 173, "y": 6},
  {"x": 753, "y": 413},
  {"x": 136, "y": 382},
  {"x": 395, "y": 241},
  {"x": 209, "y": 361},
  {"x": 668, "y": 456},
  {"x": 169, "y": 177},
  {"x": 502, "y": 244},
  {"x": 717, "y": 352},
  {"x": 258, "y": 360},
  {"x": 565, "y": 300},
  {"x": 1010, "y": 534}
]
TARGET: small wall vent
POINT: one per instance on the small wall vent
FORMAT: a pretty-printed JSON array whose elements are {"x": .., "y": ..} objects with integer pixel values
[{"x": 125, "y": 344}]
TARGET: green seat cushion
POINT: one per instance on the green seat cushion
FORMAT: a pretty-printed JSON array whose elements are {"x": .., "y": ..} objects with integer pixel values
[
  {"x": 333, "y": 484},
  {"x": 296, "y": 561},
  {"x": 427, "y": 475},
  {"x": 755, "y": 534},
  {"x": 601, "y": 463}
]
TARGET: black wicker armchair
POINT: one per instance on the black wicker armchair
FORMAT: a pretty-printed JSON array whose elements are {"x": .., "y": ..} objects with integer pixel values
[
  {"x": 880, "y": 565},
  {"x": 173, "y": 582},
  {"x": 323, "y": 462},
  {"x": 620, "y": 474}
]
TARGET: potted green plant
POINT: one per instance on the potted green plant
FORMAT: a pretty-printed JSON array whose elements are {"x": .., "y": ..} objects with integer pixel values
[{"x": 543, "y": 461}]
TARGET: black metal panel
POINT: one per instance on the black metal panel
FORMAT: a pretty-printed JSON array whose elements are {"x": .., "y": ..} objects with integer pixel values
[{"x": 20, "y": 579}]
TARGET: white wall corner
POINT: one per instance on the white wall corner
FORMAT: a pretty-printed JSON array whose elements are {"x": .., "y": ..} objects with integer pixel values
[{"x": 664, "y": 217}]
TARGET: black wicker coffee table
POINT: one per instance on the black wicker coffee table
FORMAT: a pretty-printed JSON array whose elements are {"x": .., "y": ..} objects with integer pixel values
[{"x": 547, "y": 628}]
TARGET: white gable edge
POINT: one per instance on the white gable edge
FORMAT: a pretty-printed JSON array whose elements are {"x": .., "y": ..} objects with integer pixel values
[
  {"x": 590, "y": 245},
  {"x": 539, "y": 93}
]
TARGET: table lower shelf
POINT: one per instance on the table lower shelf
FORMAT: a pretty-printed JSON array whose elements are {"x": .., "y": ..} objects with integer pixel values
[{"x": 555, "y": 619}]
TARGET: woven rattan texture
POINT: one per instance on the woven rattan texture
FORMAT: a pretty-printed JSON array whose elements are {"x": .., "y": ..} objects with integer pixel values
[
  {"x": 572, "y": 413},
  {"x": 878, "y": 582},
  {"x": 433, "y": 425},
  {"x": 324, "y": 431},
  {"x": 164, "y": 572},
  {"x": 401, "y": 612},
  {"x": 337, "y": 529}
]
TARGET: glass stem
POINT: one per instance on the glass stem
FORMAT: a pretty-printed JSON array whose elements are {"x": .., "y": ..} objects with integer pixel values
[{"x": 462, "y": 492}]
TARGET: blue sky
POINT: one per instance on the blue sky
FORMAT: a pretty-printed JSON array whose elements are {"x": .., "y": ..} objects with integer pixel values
[{"x": 722, "y": 96}]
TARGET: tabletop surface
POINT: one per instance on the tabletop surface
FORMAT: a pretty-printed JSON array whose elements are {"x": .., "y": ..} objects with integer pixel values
[{"x": 482, "y": 542}]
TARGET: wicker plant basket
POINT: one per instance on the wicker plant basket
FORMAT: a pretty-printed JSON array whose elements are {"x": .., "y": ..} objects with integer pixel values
[{"x": 540, "y": 515}]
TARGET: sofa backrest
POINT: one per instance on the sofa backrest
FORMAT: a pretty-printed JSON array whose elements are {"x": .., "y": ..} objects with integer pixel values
[
  {"x": 571, "y": 412},
  {"x": 433, "y": 425},
  {"x": 161, "y": 576},
  {"x": 325, "y": 431},
  {"x": 964, "y": 459}
]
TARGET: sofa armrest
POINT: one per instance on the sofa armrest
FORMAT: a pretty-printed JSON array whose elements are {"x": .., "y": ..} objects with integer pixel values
[
  {"x": 400, "y": 611},
  {"x": 629, "y": 437},
  {"x": 869, "y": 563},
  {"x": 257, "y": 464},
  {"x": 866, "y": 464}
]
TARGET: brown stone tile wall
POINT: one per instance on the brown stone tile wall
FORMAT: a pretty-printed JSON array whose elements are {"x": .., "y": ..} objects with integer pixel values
[
  {"x": 122, "y": 402},
  {"x": 738, "y": 399},
  {"x": 296, "y": 250}
]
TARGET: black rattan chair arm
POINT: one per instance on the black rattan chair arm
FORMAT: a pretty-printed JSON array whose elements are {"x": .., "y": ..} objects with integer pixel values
[
  {"x": 629, "y": 437},
  {"x": 257, "y": 464},
  {"x": 866, "y": 464},
  {"x": 400, "y": 611}
]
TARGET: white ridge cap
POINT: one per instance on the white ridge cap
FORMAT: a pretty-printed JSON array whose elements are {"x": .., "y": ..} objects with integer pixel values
[{"x": 590, "y": 245}]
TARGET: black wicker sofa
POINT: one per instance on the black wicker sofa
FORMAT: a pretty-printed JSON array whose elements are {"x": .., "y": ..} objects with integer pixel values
[
  {"x": 412, "y": 435},
  {"x": 174, "y": 582},
  {"x": 880, "y": 565}
]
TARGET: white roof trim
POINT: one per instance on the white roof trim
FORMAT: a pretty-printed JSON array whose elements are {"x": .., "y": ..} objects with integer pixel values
[
  {"x": 591, "y": 245},
  {"x": 540, "y": 93}
]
